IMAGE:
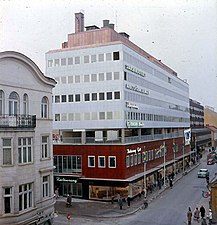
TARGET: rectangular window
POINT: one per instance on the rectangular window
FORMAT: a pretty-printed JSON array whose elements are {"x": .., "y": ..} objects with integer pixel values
[
  {"x": 135, "y": 159},
  {"x": 77, "y": 79},
  {"x": 7, "y": 195},
  {"x": 86, "y": 116},
  {"x": 86, "y": 97},
  {"x": 101, "y": 161},
  {"x": 109, "y": 76},
  {"x": 93, "y": 58},
  {"x": 63, "y": 98},
  {"x": 77, "y": 98},
  {"x": 116, "y": 76},
  {"x": 131, "y": 160},
  {"x": 109, "y": 115},
  {"x": 46, "y": 186},
  {"x": 109, "y": 95},
  {"x": 101, "y": 77},
  {"x": 116, "y": 56},
  {"x": 7, "y": 151},
  {"x": 127, "y": 161},
  {"x": 86, "y": 78},
  {"x": 57, "y": 117},
  {"x": 101, "y": 57},
  {"x": 101, "y": 115},
  {"x": 70, "y": 61},
  {"x": 108, "y": 56},
  {"x": 63, "y": 61},
  {"x": 25, "y": 150},
  {"x": 50, "y": 63},
  {"x": 70, "y": 98},
  {"x": 139, "y": 158},
  {"x": 86, "y": 59},
  {"x": 70, "y": 79},
  {"x": 125, "y": 75},
  {"x": 94, "y": 96},
  {"x": 91, "y": 161},
  {"x": 112, "y": 161},
  {"x": 57, "y": 98},
  {"x": 71, "y": 116},
  {"x": 117, "y": 95},
  {"x": 56, "y": 62},
  {"x": 45, "y": 147},
  {"x": 93, "y": 77},
  {"x": 77, "y": 60},
  {"x": 101, "y": 96},
  {"x": 63, "y": 80},
  {"x": 25, "y": 196}
]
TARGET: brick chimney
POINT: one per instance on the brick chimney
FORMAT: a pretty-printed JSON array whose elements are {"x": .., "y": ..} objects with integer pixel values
[{"x": 79, "y": 22}]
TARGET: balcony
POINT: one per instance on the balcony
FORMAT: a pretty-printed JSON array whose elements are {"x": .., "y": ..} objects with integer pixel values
[{"x": 17, "y": 121}]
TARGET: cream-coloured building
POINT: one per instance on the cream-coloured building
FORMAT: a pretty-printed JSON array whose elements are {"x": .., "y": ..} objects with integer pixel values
[{"x": 26, "y": 160}]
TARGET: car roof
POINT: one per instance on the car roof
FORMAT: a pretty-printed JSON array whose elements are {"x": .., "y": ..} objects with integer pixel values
[{"x": 203, "y": 169}]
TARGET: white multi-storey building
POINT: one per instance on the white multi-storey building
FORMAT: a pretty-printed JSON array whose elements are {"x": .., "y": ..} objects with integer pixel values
[
  {"x": 26, "y": 162},
  {"x": 110, "y": 91}
]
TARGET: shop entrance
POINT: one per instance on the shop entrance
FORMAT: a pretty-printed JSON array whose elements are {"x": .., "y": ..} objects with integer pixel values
[{"x": 74, "y": 188}]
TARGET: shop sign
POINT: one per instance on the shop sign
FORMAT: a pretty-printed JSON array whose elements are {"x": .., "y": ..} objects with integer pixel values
[
  {"x": 134, "y": 124},
  {"x": 138, "y": 149},
  {"x": 137, "y": 89},
  {"x": 134, "y": 70},
  {"x": 131, "y": 105},
  {"x": 62, "y": 179}
]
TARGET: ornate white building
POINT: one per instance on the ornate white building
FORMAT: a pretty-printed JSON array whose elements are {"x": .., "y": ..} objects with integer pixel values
[{"x": 26, "y": 161}]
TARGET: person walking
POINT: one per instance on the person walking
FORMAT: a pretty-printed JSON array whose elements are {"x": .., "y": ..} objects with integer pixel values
[
  {"x": 171, "y": 182},
  {"x": 196, "y": 214},
  {"x": 189, "y": 215},
  {"x": 120, "y": 201},
  {"x": 210, "y": 216},
  {"x": 128, "y": 201},
  {"x": 202, "y": 211}
]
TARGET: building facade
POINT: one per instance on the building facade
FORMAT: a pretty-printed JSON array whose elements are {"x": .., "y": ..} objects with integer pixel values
[
  {"x": 113, "y": 101},
  {"x": 26, "y": 162}
]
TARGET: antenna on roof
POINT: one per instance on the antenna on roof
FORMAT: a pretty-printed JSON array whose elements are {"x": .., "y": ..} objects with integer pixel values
[{"x": 116, "y": 20}]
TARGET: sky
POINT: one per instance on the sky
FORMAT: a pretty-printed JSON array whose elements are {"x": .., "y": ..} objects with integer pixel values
[{"x": 180, "y": 33}]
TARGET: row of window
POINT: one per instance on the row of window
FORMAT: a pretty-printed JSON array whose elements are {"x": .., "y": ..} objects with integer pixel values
[
  {"x": 26, "y": 198},
  {"x": 87, "y": 78},
  {"x": 25, "y": 150},
  {"x": 88, "y": 97},
  {"x": 102, "y": 161},
  {"x": 17, "y": 107},
  {"x": 83, "y": 59},
  {"x": 116, "y": 115}
]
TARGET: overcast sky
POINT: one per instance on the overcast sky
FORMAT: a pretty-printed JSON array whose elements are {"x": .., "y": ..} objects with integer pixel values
[{"x": 181, "y": 33}]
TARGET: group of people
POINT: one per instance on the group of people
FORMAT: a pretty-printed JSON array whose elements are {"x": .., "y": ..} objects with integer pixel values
[{"x": 199, "y": 213}]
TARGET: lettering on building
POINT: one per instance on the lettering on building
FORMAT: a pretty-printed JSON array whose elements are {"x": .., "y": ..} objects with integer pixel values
[
  {"x": 137, "y": 89},
  {"x": 134, "y": 70}
]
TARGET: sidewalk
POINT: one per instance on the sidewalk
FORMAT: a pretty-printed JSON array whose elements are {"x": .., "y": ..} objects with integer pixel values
[{"x": 88, "y": 208}]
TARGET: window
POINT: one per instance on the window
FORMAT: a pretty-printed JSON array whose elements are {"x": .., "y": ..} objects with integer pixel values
[
  {"x": 7, "y": 194},
  {"x": 63, "y": 80},
  {"x": 127, "y": 161},
  {"x": 71, "y": 116},
  {"x": 94, "y": 96},
  {"x": 93, "y": 58},
  {"x": 86, "y": 59},
  {"x": 25, "y": 104},
  {"x": 116, "y": 56},
  {"x": 101, "y": 161},
  {"x": 57, "y": 117},
  {"x": 50, "y": 63},
  {"x": 56, "y": 62},
  {"x": 57, "y": 98},
  {"x": 70, "y": 61},
  {"x": 131, "y": 160},
  {"x": 77, "y": 98},
  {"x": 108, "y": 56},
  {"x": 13, "y": 104},
  {"x": 101, "y": 77},
  {"x": 139, "y": 158},
  {"x": 44, "y": 107},
  {"x": 116, "y": 76},
  {"x": 7, "y": 151},
  {"x": 91, "y": 161},
  {"x": 87, "y": 116},
  {"x": 109, "y": 115},
  {"x": 25, "y": 196},
  {"x": 86, "y": 78},
  {"x": 86, "y": 97},
  {"x": 135, "y": 159},
  {"x": 112, "y": 161},
  {"x": 101, "y": 115},
  {"x": 77, "y": 60},
  {"x": 101, "y": 57},
  {"x": 63, "y": 61},
  {"x": 93, "y": 77},
  {"x": 125, "y": 75},
  {"x": 24, "y": 150},
  {"x": 77, "y": 79},
  {"x": 109, "y": 95},
  {"x": 1, "y": 102},
  {"x": 70, "y": 98},
  {"x": 46, "y": 186},
  {"x": 109, "y": 76},
  {"x": 117, "y": 95},
  {"x": 101, "y": 96},
  {"x": 63, "y": 98},
  {"x": 63, "y": 116},
  {"x": 70, "y": 79},
  {"x": 45, "y": 147}
]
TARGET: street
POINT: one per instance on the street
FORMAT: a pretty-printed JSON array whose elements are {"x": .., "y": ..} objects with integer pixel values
[{"x": 168, "y": 209}]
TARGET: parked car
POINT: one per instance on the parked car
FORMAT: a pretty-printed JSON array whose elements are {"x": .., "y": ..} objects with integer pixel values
[
  {"x": 210, "y": 162},
  {"x": 203, "y": 173}
]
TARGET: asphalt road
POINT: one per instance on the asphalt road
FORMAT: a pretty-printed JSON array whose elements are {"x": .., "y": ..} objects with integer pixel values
[{"x": 168, "y": 209}]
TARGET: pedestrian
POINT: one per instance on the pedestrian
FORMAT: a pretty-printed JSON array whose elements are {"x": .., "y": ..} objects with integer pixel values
[
  {"x": 128, "y": 201},
  {"x": 57, "y": 193},
  {"x": 120, "y": 201},
  {"x": 203, "y": 221},
  {"x": 196, "y": 214},
  {"x": 69, "y": 200},
  {"x": 210, "y": 216},
  {"x": 171, "y": 182},
  {"x": 202, "y": 211},
  {"x": 189, "y": 215}
]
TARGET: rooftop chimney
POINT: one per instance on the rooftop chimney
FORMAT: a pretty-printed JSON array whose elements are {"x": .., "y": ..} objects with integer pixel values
[
  {"x": 79, "y": 22},
  {"x": 105, "y": 23}
]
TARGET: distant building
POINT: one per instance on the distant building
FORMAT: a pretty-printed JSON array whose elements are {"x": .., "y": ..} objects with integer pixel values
[
  {"x": 113, "y": 103},
  {"x": 26, "y": 161},
  {"x": 200, "y": 135}
]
